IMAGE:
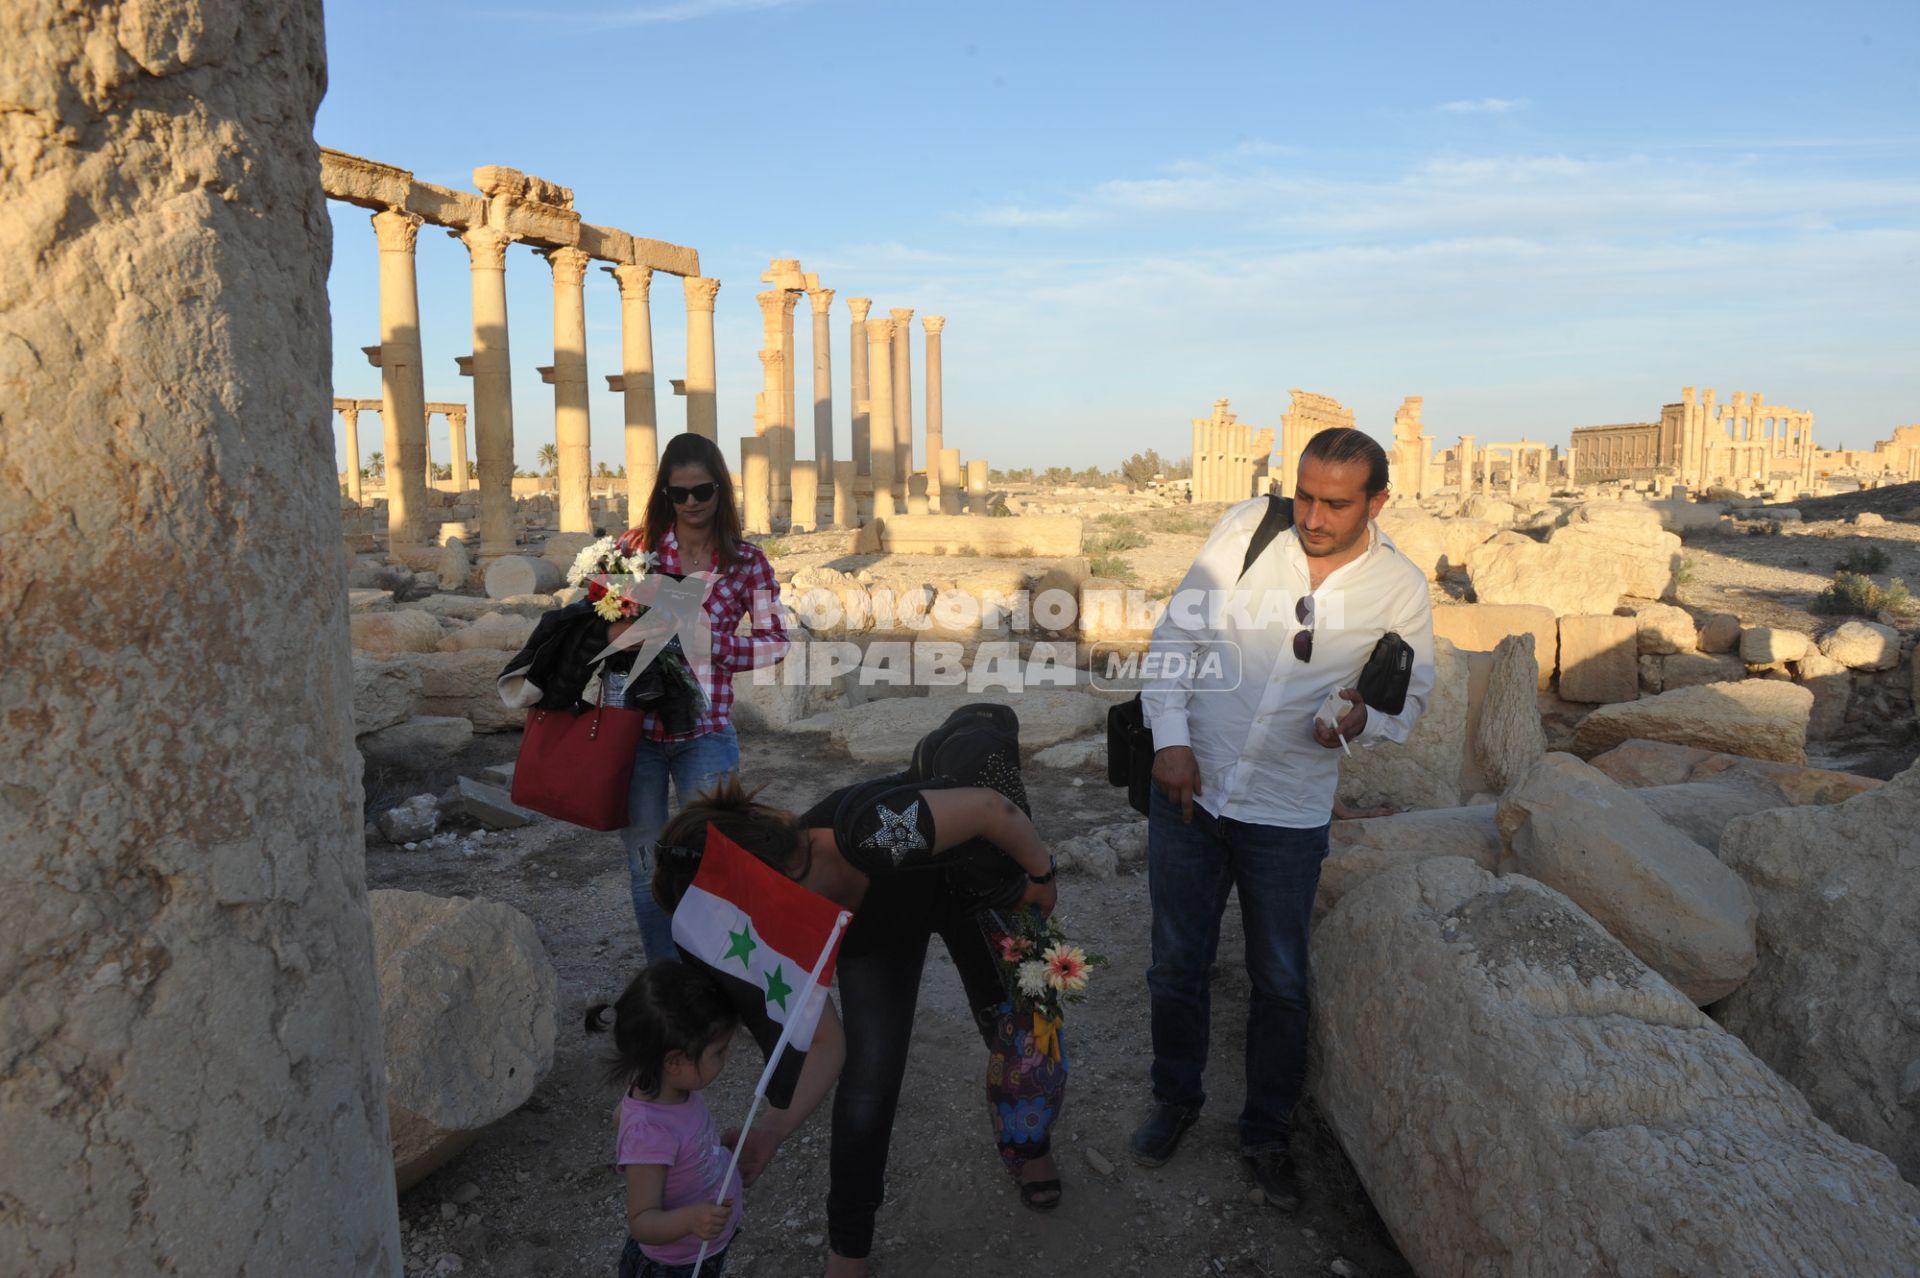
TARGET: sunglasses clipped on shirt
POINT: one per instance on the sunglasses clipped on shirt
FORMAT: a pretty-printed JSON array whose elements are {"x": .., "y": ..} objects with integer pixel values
[
  {"x": 1303, "y": 639},
  {"x": 699, "y": 492}
]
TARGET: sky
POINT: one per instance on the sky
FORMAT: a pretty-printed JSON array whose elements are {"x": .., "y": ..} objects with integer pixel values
[{"x": 1536, "y": 216}]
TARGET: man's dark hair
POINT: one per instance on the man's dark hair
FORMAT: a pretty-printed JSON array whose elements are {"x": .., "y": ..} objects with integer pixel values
[{"x": 1338, "y": 445}]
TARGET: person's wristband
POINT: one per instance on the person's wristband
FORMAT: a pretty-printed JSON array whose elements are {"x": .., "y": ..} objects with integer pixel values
[{"x": 1041, "y": 880}]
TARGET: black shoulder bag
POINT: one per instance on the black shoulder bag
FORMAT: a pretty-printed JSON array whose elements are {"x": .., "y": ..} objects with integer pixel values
[{"x": 1129, "y": 739}]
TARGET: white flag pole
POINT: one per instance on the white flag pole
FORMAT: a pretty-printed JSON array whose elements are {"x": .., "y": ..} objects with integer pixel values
[{"x": 773, "y": 1061}]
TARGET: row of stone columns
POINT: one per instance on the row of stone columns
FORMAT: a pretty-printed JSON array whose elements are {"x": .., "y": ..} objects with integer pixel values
[{"x": 1229, "y": 459}]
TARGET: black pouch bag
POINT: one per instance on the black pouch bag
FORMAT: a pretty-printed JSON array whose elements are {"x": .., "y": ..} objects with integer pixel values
[
  {"x": 1129, "y": 739},
  {"x": 1383, "y": 680}
]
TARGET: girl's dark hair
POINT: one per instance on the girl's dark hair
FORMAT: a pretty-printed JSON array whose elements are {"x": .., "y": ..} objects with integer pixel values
[
  {"x": 770, "y": 833},
  {"x": 689, "y": 449},
  {"x": 1338, "y": 445},
  {"x": 671, "y": 1006}
]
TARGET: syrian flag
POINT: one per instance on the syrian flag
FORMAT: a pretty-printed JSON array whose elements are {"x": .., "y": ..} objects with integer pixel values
[{"x": 771, "y": 943}]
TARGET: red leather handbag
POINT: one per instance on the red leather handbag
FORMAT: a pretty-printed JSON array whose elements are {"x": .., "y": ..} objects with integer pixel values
[{"x": 576, "y": 767}]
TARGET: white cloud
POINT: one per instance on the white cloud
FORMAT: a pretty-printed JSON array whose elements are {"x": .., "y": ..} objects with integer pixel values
[{"x": 1482, "y": 106}]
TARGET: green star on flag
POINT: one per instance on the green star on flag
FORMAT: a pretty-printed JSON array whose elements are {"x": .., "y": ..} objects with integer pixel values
[
  {"x": 740, "y": 944},
  {"x": 778, "y": 989}
]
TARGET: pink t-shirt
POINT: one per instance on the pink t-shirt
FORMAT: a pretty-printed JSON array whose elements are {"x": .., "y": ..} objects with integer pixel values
[{"x": 681, "y": 1138}]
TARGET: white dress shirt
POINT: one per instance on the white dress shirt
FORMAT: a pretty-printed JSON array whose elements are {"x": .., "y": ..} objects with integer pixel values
[{"x": 1248, "y": 712}]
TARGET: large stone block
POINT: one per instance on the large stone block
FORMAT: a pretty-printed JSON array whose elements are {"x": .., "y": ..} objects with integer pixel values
[
  {"x": 467, "y": 1003},
  {"x": 1358, "y": 850},
  {"x": 1691, "y": 669},
  {"x": 1438, "y": 546},
  {"x": 1043, "y": 536},
  {"x": 1659, "y": 893},
  {"x": 1833, "y": 1003},
  {"x": 465, "y": 685},
  {"x": 1771, "y": 645},
  {"x": 1521, "y": 1095},
  {"x": 513, "y": 575},
  {"x": 422, "y": 742},
  {"x": 885, "y": 731},
  {"x": 1831, "y": 684},
  {"x": 1862, "y": 645},
  {"x": 1719, "y": 632},
  {"x": 1599, "y": 659},
  {"x": 1760, "y": 718},
  {"x": 1480, "y": 628},
  {"x": 1508, "y": 736},
  {"x": 1661, "y": 763},
  {"x": 402, "y": 630},
  {"x": 502, "y": 632},
  {"x": 1425, "y": 770},
  {"x": 1663, "y": 628},
  {"x": 384, "y": 693}
]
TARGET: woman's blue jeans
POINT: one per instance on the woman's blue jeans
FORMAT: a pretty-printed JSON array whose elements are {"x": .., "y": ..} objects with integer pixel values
[
  {"x": 691, "y": 765},
  {"x": 1190, "y": 869}
]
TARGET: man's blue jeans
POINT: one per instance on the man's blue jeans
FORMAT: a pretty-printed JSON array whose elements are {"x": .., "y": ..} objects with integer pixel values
[
  {"x": 692, "y": 765},
  {"x": 1190, "y": 869}
]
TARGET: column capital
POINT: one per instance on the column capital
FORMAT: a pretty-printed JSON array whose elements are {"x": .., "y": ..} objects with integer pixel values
[
  {"x": 859, "y": 306},
  {"x": 397, "y": 231},
  {"x": 880, "y": 330},
  {"x": 636, "y": 282},
  {"x": 349, "y": 411},
  {"x": 569, "y": 266},
  {"x": 901, "y": 314},
  {"x": 788, "y": 301},
  {"x": 486, "y": 247},
  {"x": 933, "y": 324},
  {"x": 700, "y": 292},
  {"x": 822, "y": 299},
  {"x": 458, "y": 416},
  {"x": 770, "y": 300}
]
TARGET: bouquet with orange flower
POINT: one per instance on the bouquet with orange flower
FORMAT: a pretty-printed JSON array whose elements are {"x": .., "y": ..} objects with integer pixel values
[
  {"x": 1045, "y": 971},
  {"x": 615, "y": 578}
]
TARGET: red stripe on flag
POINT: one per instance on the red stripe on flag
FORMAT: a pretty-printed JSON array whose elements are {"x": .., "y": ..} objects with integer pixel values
[{"x": 794, "y": 920}]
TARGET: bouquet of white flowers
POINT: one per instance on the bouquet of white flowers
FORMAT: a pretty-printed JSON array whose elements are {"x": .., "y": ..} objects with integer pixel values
[
  {"x": 613, "y": 580},
  {"x": 611, "y": 576}
]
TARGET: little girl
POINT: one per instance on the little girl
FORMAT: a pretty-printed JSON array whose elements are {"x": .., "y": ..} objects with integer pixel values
[{"x": 671, "y": 1031}]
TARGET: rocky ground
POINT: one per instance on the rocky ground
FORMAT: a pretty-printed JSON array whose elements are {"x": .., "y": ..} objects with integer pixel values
[{"x": 537, "y": 1195}]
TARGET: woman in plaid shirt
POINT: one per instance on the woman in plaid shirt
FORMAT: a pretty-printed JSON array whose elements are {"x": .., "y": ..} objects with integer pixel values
[{"x": 692, "y": 526}]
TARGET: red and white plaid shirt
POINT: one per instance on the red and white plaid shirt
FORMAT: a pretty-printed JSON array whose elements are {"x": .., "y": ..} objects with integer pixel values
[{"x": 749, "y": 585}]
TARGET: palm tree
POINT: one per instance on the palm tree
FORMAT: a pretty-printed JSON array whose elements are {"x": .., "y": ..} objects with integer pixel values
[
  {"x": 376, "y": 465},
  {"x": 549, "y": 457},
  {"x": 601, "y": 472}
]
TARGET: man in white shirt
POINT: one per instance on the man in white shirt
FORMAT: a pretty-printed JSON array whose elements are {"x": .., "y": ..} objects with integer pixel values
[{"x": 1244, "y": 776}]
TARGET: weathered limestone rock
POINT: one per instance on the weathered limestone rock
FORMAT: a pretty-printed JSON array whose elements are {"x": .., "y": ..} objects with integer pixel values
[
  {"x": 1663, "y": 628},
  {"x": 1103, "y": 851},
  {"x": 494, "y": 631},
  {"x": 1491, "y": 510},
  {"x": 1522, "y": 1096},
  {"x": 1066, "y": 576},
  {"x": 512, "y": 575},
  {"x": 1508, "y": 739},
  {"x": 369, "y": 601},
  {"x": 409, "y": 822},
  {"x": 1691, "y": 669},
  {"x": 1599, "y": 659},
  {"x": 1862, "y": 645},
  {"x": 465, "y": 685},
  {"x": 1660, "y": 763},
  {"x": 1048, "y": 716},
  {"x": 402, "y": 630},
  {"x": 1088, "y": 755},
  {"x": 1425, "y": 770},
  {"x": 192, "y": 1055},
  {"x": 1719, "y": 633},
  {"x": 365, "y": 575},
  {"x": 491, "y": 806},
  {"x": 1659, "y": 893},
  {"x": 1832, "y": 1004},
  {"x": 467, "y": 1002},
  {"x": 1358, "y": 850},
  {"x": 1480, "y": 628},
  {"x": 1439, "y": 546},
  {"x": 778, "y": 697},
  {"x": 1046, "y": 536},
  {"x": 1831, "y": 684},
  {"x": 454, "y": 565},
  {"x": 384, "y": 693},
  {"x": 1702, "y": 810},
  {"x": 1770, "y": 645},
  {"x": 423, "y": 741},
  {"x": 1760, "y": 718}
]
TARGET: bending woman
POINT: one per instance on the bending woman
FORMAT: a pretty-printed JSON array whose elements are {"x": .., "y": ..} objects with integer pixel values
[{"x": 944, "y": 848}]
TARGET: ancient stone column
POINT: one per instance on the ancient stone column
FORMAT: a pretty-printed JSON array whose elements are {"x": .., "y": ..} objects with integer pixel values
[
  {"x": 350, "y": 417},
  {"x": 953, "y": 483},
  {"x": 881, "y": 400},
  {"x": 806, "y": 497},
  {"x": 636, "y": 382},
  {"x": 426, "y": 448},
  {"x": 457, "y": 438},
  {"x": 844, "y": 515},
  {"x": 902, "y": 353},
  {"x": 492, "y": 386},
  {"x": 193, "y": 1079},
  {"x": 822, "y": 300},
  {"x": 758, "y": 514},
  {"x": 767, "y": 424},
  {"x": 1573, "y": 458},
  {"x": 857, "y": 357},
  {"x": 571, "y": 428},
  {"x": 977, "y": 486},
  {"x": 789, "y": 405},
  {"x": 703, "y": 414},
  {"x": 935, "y": 430},
  {"x": 1466, "y": 466},
  {"x": 1198, "y": 481},
  {"x": 403, "y": 393}
]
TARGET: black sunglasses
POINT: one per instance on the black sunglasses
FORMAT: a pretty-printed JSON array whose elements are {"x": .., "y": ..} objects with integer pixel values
[
  {"x": 699, "y": 492},
  {"x": 1303, "y": 639}
]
